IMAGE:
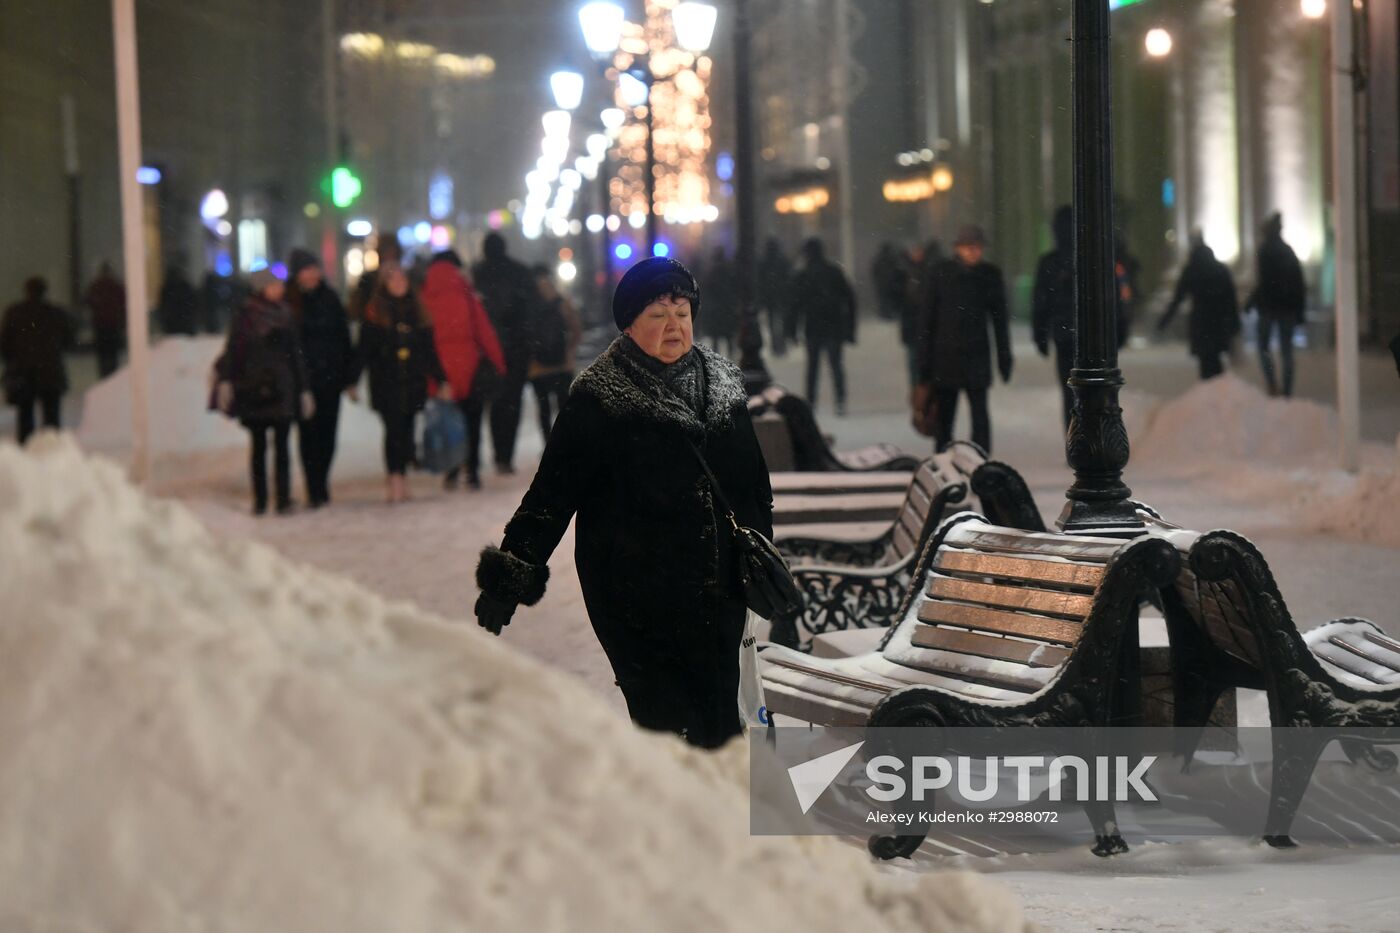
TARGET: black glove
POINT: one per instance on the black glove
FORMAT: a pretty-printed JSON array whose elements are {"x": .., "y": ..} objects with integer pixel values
[
  {"x": 1004, "y": 364},
  {"x": 493, "y": 614},
  {"x": 1042, "y": 346}
]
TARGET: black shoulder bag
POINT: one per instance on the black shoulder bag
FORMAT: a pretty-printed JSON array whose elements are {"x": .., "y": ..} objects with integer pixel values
[{"x": 769, "y": 589}]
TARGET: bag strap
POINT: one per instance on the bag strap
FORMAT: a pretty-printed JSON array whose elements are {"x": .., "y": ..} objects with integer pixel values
[{"x": 714, "y": 484}]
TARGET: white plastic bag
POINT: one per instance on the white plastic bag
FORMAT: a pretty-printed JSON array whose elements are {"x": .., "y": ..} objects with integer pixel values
[{"x": 753, "y": 711}]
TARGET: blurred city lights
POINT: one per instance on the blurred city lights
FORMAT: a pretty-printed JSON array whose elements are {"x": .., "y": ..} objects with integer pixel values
[
  {"x": 594, "y": 223},
  {"x": 724, "y": 166},
  {"x": 602, "y": 27},
  {"x": 556, "y": 123},
  {"x": 567, "y": 88},
  {"x": 354, "y": 262},
  {"x": 597, "y": 146},
  {"x": 571, "y": 179},
  {"x": 633, "y": 89},
  {"x": 613, "y": 118},
  {"x": 441, "y": 237},
  {"x": 1314, "y": 9},
  {"x": 622, "y": 251},
  {"x": 661, "y": 249},
  {"x": 148, "y": 175},
  {"x": 567, "y": 271},
  {"x": 559, "y": 227},
  {"x": 214, "y": 205},
  {"x": 614, "y": 223},
  {"x": 359, "y": 228},
  {"x": 345, "y": 186},
  {"x": 575, "y": 227},
  {"x": 555, "y": 149},
  {"x": 224, "y": 228},
  {"x": 311, "y": 209},
  {"x": 405, "y": 235},
  {"x": 422, "y": 231},
  {"x": 637, "y": 220},
  {"x": 694, "y": 24},
  {"x": 1158, "y": 42},
  {"x": 942, "y": 178},
  {"x": 440, "y": 196},
  {"x": 586, "y": 167}
]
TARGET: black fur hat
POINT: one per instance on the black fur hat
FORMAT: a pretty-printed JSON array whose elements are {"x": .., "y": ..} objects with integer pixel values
[{"x": 649, "y": 280}]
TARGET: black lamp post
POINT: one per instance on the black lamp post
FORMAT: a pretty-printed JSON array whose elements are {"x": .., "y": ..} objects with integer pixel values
[
  {"x": 756, "y": 376},
  {"x": 1097, "y": 442}
]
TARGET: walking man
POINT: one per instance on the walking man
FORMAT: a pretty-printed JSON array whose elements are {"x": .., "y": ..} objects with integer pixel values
[
  {"x": 1215, "y": 318},
  {"x": 823, "y": 300},
  {"x": 965, "y": 296},
  {"x": 106, "y": 296},
  {"x": 1052, "y": 303},
  {"x": 508, "y": 290},
  {"x": 33, "y": 336},
  {"x": 1279, "y": 295}
]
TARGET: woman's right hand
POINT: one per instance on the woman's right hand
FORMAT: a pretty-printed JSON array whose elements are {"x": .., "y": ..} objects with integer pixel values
[{"x": 493, "y": 614}]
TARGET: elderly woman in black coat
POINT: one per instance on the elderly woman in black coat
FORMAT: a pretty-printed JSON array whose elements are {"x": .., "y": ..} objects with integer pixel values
[{"x": 655, "y": 555}]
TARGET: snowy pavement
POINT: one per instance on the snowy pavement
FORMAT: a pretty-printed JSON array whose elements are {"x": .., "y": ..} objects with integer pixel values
[{"x": 1221, "y": 456}]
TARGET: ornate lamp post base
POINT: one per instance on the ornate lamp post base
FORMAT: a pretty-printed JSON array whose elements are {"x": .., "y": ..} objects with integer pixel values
[{"x": 1097, "y": 449}]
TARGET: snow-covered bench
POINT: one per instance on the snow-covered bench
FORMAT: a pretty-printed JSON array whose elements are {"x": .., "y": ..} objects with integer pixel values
[
  {"x": 1230, "y": 627},
  {"x": 861, "y": 583},
  {"x": 1006, "y": 628},
  {"x": 807, "y": 448}
]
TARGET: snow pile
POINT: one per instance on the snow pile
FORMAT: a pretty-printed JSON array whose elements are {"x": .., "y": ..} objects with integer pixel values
[
  {"x": 197, "y": 734},
  {"x": 1228, "y": 420},
  {"x": 1365, "y": 508}
]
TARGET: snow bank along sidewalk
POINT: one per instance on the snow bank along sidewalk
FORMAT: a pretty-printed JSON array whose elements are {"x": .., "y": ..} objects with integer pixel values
[{"x": 197, "y": 734}]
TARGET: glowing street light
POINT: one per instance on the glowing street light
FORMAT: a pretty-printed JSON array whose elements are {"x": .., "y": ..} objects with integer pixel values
[
  {"x": 602, "y": 27},
  {"x": 634, "y": 89},
  {"x": 556, "y": 124},
  {"x": 567, "y": 87},
  {"x": 1158, "y": 43},
  {"x": 613, "y": 118},
  {"x": 1314, "y": 9},
  {"x": 694, "y": 24},
  {"x": 597, "y": 146}
]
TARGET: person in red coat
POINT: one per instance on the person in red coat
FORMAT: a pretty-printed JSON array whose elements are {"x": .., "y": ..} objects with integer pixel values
[{"x": 468, "y": 348}]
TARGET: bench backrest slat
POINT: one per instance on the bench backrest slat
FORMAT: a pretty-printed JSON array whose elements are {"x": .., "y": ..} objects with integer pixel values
[
  {"x": 1030, "y": 570},
  {"x": 1027, "y": 598},
  {"x": 1029, "y": 653},
  {"x": 979, "y": 618}
]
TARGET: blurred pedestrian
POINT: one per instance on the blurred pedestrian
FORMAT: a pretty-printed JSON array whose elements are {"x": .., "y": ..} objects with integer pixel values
[
  {"x": 1052, "y": 303},
  {"x": 721, "y": 311},
  {"x": 922, "y": 262},
  {"x": 323, "y": 328},
  {"x": 508, "y": 290},
  {"x": 33, "y": 337},
  {"x": 823, "y": 302},
  {"x": 965, "y": 296},
  {"x": 396, "y": 347},
  {"x": 889, "y": 272},
  {"x": 1126, "y": 269},
  {"x": 468, "y": 349},
  {"x": 106, "y": 297},
  {"x": 389, "y": 253},
  {"x": 178, "y": 306},
  {"x": 774, "y": 286},
  {"x": 655, "y": 555},
  {"x": 1215, "y": 316},
  {"x": 1279, "y": 296},
  {"x": 554, "y": 339},
  {"x": 263, "y": 383},
  {"x": 218, "y": 298}
]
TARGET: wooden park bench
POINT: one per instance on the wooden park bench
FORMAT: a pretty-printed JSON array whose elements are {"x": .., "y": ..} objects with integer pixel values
[
  {"x": 1230, "y": 627},
  {"x": 1006, "y": 628},
  {"x": 791, "y": 439}
]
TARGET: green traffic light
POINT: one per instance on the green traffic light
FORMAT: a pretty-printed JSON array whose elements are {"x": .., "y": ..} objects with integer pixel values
[{"x": 345, "y": 187}]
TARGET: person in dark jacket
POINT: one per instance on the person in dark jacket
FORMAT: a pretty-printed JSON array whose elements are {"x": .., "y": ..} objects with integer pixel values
[
  {"x": 324, "y": 331},
  {"x": 1279, "y": 295},
  {"x": 922, "y": 264},
  {"x": 396, "y": 347},
  {"x": 774, "y": 286},
  {"x": 178, "y": 307},
  {"x": 263, "y": 383},
  {"x": 508, "y": 290},
  {"x": 824, "y": 303},
  {"x": 467, "y": 346},
  {"x": 965, "y": 296},
  {"x": 1215, "y": 317},
  {"x": 554, "y": 339},
  {"x": 33, "y": 337},
  {"x": 889, "y": 272},
  {"x": 721, "y": 320},
  {"x": 1052, "y": 302},
  {"x": 106, "y": 297},
  {"x": 655, "y": 556}
]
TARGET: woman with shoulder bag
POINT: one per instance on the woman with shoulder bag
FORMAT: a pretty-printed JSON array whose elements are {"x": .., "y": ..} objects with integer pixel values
[
  {"x": 653, "y": 437},
  {"x": 468, "y": 348},
  {"x": 262, "y": 381}
]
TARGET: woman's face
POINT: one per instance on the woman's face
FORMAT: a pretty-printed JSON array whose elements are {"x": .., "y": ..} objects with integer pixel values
[
  {"x": 663, "y": 329},
  {"x": 395, "y": 282}
]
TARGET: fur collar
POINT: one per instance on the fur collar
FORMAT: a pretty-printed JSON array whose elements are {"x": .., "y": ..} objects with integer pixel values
[{"x": 627, "y": 390}]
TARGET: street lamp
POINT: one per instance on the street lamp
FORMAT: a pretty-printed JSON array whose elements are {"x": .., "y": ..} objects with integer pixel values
[
  {"x": 567, "y": 87},
  {"x": 694, "y": 24}
]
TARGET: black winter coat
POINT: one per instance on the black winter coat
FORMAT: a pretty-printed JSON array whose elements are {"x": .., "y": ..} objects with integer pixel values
[
  {"x": 1215, "y": 318},
  {"x": 823, "y": 300},
  {"x": 508, "y": 291},
  {"x": 961, "y": 302},
  {"x": 396, "y": 346},
  {"x": 263, "y": 361},
  {"x": 324, "y": 329},
  {"x": 33, "y": 336},
  {"x": 654, "y": 554},
  {"x": 1281, "y": 291},
  {"x": 1052, "y": 299}
]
